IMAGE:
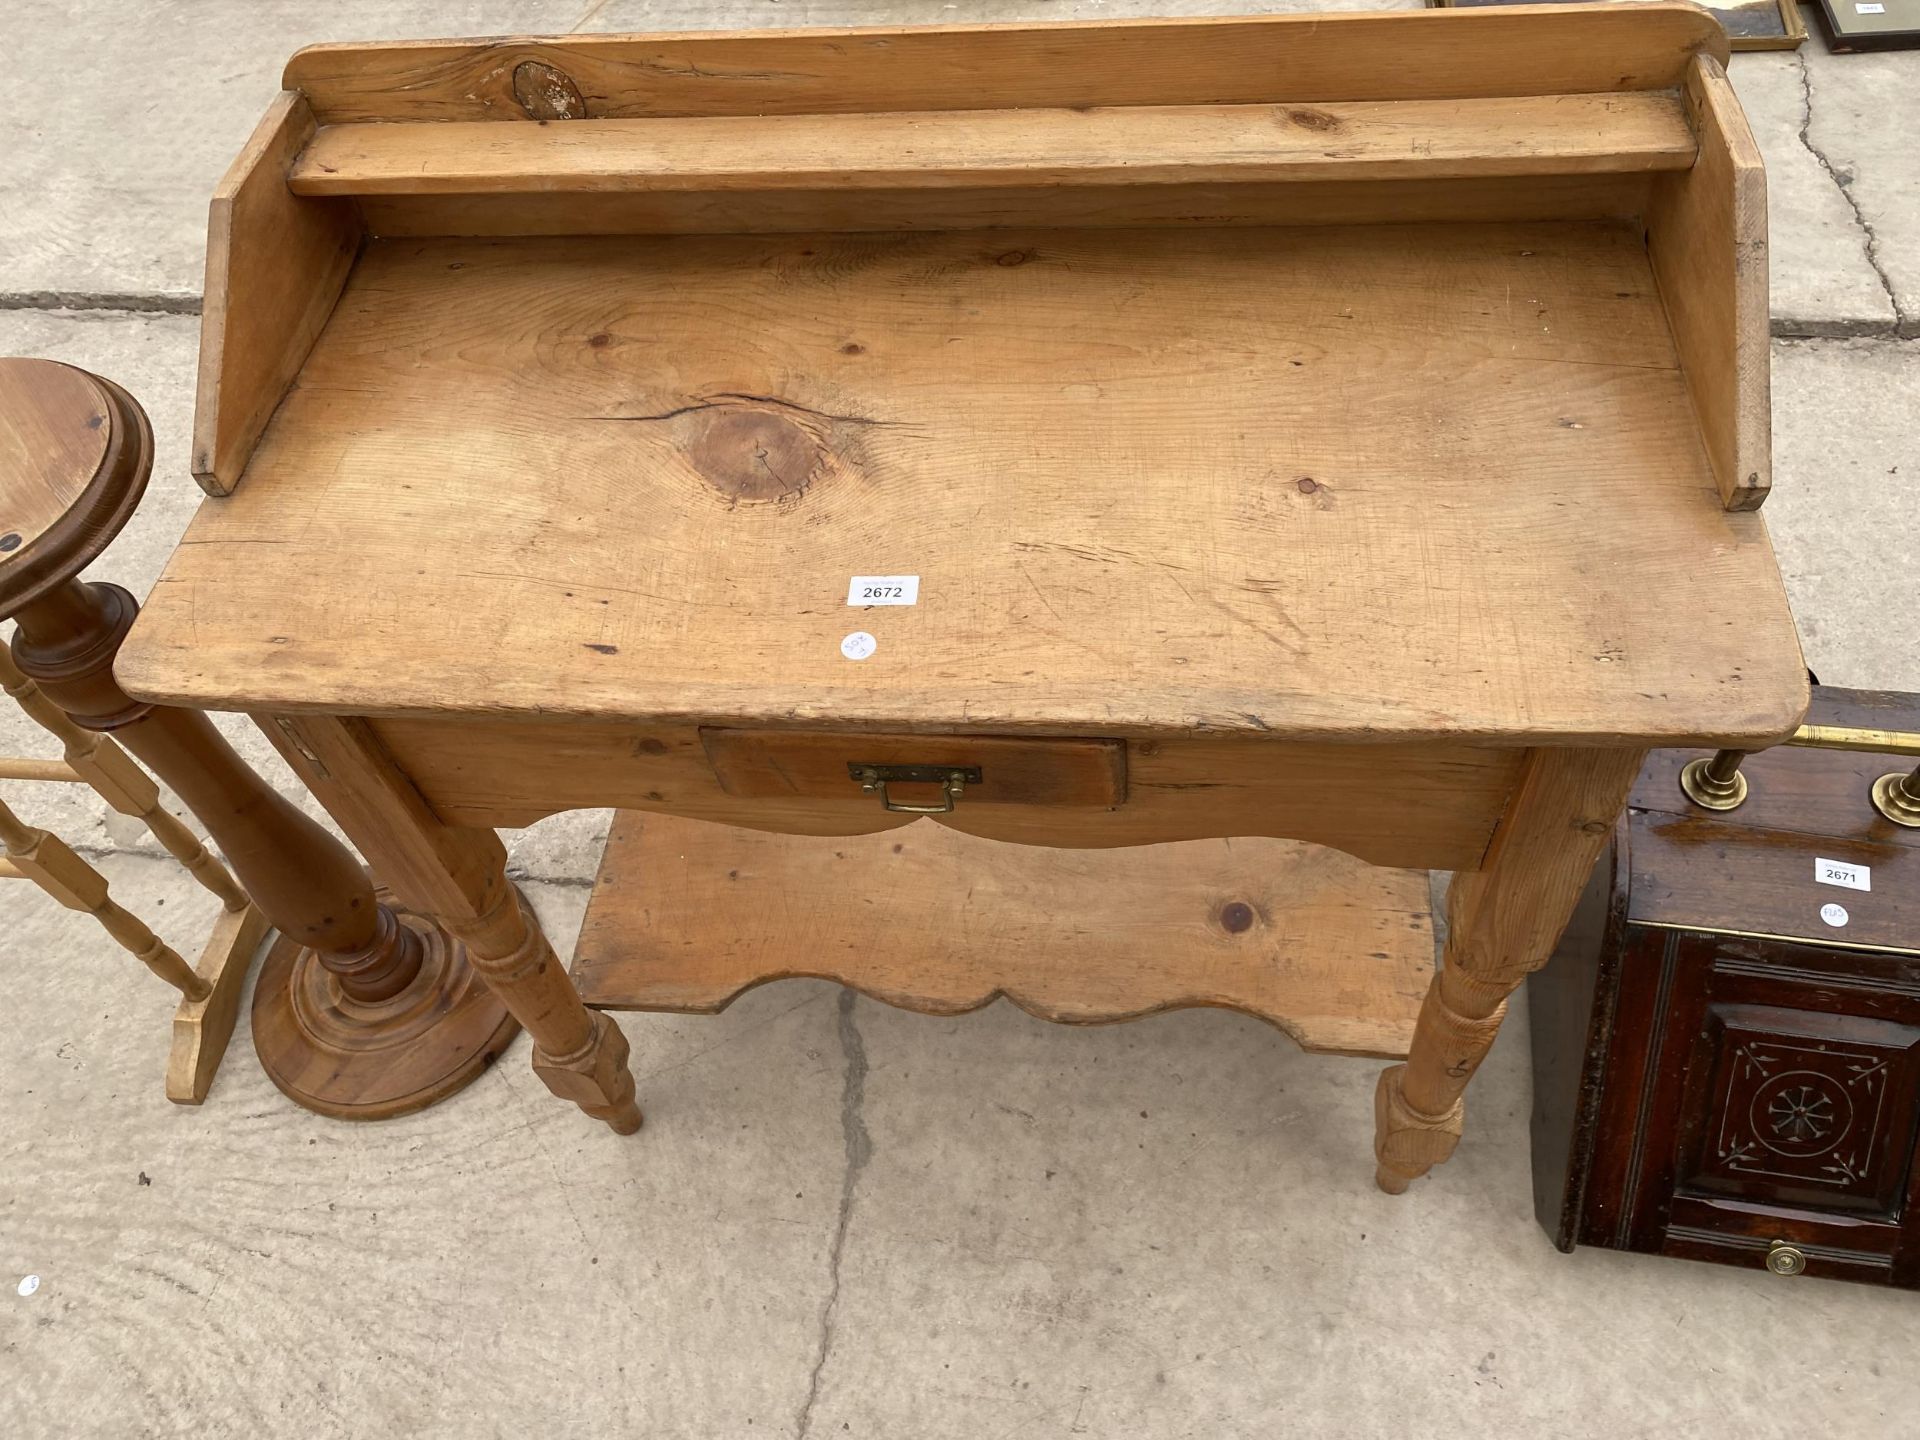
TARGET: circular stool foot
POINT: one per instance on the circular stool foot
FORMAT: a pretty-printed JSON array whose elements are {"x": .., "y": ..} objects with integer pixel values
[{"x": 335, "y": 1056}]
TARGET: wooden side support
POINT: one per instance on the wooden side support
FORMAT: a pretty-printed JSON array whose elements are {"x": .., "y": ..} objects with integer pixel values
[
  {"x": 1503, "y": 922},
  {"x": 275, "y": 266},
  {"x": 1707, "y": 238}
]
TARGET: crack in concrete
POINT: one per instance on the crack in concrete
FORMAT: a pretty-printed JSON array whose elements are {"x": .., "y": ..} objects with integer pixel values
[
  {"x": 135, "y": 302},
  {"x": 859, "y": 1144},
  {"x": 1901, "y": 325},
  {"x": 1786, "y": 328}
]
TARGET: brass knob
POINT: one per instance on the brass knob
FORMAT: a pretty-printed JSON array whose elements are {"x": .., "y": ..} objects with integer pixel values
[
  {"x": 1715, "y": 784},
  {"x": 1785, "y": 1259},
  {"x": 1897, "y": 797}
]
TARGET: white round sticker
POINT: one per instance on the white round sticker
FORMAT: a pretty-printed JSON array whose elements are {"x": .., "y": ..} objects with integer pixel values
[
  {"x": 1834, "y": 915},
  {"x": 859, "y": 645},
  {"x": 30, "y": 1284}
]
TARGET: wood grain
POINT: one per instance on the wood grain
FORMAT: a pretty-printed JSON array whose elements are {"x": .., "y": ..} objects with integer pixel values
[
  {"x": 1337, "y": 484},
  {"x": 53, "y": 439},
  {"x": 1751, "y": 870},
  {"x": 1707, "y": 235},
  {"x": 685, "y": 916},
  {"x": 275, "y": 265},
  {"x": 1445, "y": 801},
  {"x": 1341, "y": 202},
  {"x": 1437, "y": 55},
  {"x": 1761, "y": 882},
  {"x": 1503, "y": 921},
  {"x": 764, "y": 764},
  {"x": 202, "y": 1028},
  {"x": 74, "y": 455},
  {"x": 934, "y": 149}
]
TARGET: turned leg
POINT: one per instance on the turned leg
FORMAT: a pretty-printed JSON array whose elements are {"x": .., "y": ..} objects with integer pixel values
[
  {"x": 581, "y": 1055},
  {"x": 458, "y": 875},
  {"x": 1503, "y": 922}
]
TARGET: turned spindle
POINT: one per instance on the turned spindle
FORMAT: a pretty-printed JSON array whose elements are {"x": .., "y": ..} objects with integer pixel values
[
  {"x": 50, "y": 863},
  {"x": 98, "y": 762},
  {"x": 364, "y": 1010}
]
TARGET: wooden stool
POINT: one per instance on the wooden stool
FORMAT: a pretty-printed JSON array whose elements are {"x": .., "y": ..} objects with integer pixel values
[
  {"x": 210, "y": 992},
  {"x": 363, "y": 1010}
]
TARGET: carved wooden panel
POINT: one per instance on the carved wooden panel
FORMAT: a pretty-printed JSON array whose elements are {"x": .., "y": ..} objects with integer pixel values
[{"x": 1812, "y": 1110}]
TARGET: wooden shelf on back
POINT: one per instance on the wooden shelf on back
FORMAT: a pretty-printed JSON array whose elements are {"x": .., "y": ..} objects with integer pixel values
[
  {"x": 1138, "y": 145},
  {"x": 686, "y": 915},
  {"x": 1567, "y": 113}
]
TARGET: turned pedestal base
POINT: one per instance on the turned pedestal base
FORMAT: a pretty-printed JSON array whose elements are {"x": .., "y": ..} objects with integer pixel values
[{"x": 371, "y": 1060}]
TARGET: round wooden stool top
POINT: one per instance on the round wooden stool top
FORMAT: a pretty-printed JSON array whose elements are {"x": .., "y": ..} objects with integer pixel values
[{"x": 74, "y": 455}]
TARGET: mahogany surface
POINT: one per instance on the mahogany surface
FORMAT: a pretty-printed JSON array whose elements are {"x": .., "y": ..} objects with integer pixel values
[{"x": 1717, "y": 1067}]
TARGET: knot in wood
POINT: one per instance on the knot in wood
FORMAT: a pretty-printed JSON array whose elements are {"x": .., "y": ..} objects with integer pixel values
[
  {"x": 752, "y": 452},
  {"x": 546, "y": 93}
]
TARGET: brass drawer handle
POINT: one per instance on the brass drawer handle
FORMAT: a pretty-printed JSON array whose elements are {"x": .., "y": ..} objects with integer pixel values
[
  {"x": 952, "y": 780},
  {"x": 1785, "y": 1259}
]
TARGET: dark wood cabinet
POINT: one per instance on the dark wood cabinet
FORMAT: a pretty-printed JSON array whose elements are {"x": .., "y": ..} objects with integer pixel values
[{"x": 1727, "y": 1045}]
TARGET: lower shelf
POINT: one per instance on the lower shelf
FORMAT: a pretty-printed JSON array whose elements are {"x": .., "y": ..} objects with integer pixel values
[{"x": 686, "y": 915}]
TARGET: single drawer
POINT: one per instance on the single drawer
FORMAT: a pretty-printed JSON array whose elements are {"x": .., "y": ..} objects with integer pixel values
[
  {"x": 1077, "y": 793},
  {"x": 913, "y": 770}
]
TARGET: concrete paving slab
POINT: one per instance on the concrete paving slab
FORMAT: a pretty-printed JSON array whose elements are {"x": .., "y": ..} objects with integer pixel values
[
  {"x": 840, "y": 1220},
  {"x": 1846, "y": 490},
  {"x": 1823, "y": 280},
  {"x": 497, "y": 1265},
  {"x": 110, "y": 156},
  {"x": 1866, "y": 115},
  {"x": 1170, "y": 1228}
]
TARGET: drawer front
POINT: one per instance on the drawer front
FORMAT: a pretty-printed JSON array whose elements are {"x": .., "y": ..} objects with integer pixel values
[
  {"x": 1001, "y": 770},
  {"x": 1778, "y": 1100}
]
